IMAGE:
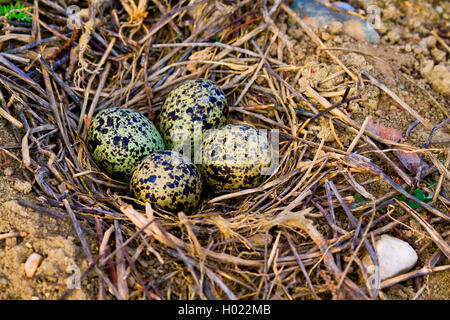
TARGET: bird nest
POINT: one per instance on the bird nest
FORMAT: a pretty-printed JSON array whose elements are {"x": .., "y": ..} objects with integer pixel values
[{"x": 300, "y": 234}]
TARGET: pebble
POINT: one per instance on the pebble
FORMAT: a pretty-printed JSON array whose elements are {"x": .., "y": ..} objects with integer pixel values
[
  {"x": 8, "y": 171},
  {"x": 356, "y": 60},
  {"x": 335, "y": 27},
  {"x": 353, "y": 107},
  {"x": 439, "y": 79},
  {"x": 428, "y": 42},
  {"x": 427, "y": 66},
  {"x": 394, "y": 35},
  {"x": 395, "y": 256},
  {"x": 382, "y": 29},
  {"x": 390, "y": 12},
  {"x": 438, "y": 55},
  {"x": 22, "y": 186},
  {"x": 325, "y": 36},
  {"x": 32, "y": 264},
  {"x": 296, "y": 33}
]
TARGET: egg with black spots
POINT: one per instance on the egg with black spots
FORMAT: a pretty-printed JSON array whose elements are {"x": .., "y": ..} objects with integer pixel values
[
  {"x": 168, "y": 181},
  {"x": 189, "y": 110},
  {"x": 118, "y": 138},
  {"x": 235, "y": 157}
]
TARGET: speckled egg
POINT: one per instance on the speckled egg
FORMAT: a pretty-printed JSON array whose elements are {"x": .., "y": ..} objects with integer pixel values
[
  {"x": 118, "y": 138},
  {"x": 234, "y": 157},
  {"x": 168, "y": 180},
  {"x": 190, "y": 109}
]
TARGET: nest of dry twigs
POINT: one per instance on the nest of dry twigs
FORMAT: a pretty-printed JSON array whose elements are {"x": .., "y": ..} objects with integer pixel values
[{"x": 295, "y": 236}]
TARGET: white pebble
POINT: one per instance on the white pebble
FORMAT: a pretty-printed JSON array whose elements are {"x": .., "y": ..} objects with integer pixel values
[
  {"x": 395, "y": 256},
  {"x": 22, "y": 186}
]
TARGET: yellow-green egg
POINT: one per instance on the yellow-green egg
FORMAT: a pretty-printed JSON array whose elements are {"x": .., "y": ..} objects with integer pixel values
[
  {"x": 190, "y": 109},
  {"x": 167, "y": 180},
  {"x": 118, "y": 138},
  {"x": 234, "y": 157}
]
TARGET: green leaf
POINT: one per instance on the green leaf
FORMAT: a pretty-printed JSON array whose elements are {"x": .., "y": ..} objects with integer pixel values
[
  {"x": 418, "y": 193},
  {"x": 413, "y": 204}
]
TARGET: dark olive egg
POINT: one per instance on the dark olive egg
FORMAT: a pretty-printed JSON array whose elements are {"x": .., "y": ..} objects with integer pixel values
[
  {"x": 190, "y": 109},
  {"x": 167, "y": 180},
  {"x": 118, "y": 138},
  {"x": 234, "y": 157}
]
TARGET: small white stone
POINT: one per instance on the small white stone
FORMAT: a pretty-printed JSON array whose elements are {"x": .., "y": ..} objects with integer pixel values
[
  {"x": 30, "y": 266},
  {"x": 395, "y": 256}
]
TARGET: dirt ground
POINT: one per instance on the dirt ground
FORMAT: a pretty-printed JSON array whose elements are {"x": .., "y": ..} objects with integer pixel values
[{"x": 405, "y": 61}]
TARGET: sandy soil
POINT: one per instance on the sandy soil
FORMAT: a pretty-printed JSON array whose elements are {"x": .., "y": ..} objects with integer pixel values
[
  {"x": 402, "y": 62},
  {"x": 53, "y": 238}
]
